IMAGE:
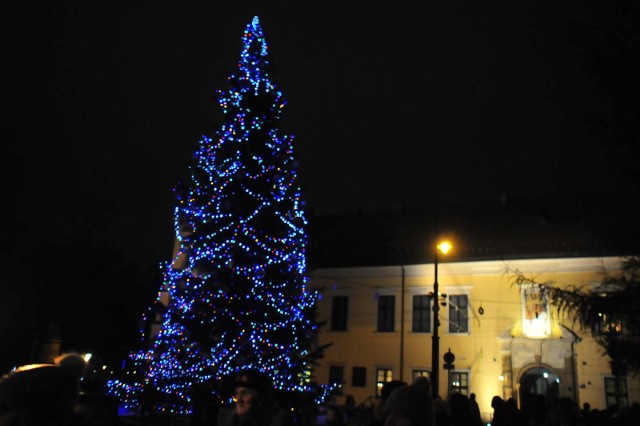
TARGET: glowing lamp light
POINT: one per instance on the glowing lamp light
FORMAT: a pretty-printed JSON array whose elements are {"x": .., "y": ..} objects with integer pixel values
[{"x": 445, "y": 247}]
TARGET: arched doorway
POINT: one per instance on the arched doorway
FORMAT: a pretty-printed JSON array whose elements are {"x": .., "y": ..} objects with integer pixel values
[{"x": 538, "y": 382}]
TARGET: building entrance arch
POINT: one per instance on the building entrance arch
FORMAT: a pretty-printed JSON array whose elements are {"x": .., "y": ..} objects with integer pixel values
[{"x": 539, "y": 382}]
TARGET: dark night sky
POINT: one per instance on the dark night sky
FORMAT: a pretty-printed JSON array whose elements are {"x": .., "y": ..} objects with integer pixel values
[{"x": 414, "y": 102}]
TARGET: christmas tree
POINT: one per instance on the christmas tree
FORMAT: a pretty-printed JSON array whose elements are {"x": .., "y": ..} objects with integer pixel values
[{"x": 235, "y": 294}]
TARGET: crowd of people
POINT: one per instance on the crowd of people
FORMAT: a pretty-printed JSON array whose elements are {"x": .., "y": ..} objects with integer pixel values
[
  {"x": 563, "y": 411},
  {"x": 48, "y": 395},
  {"x": 413, "y": 404}
]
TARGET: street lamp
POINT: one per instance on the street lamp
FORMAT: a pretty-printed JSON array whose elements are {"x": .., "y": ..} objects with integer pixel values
[{"x": 443, "y": 247}]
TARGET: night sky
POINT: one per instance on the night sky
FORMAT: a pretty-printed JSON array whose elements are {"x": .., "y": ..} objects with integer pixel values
[{"x": 408, "y": 102}]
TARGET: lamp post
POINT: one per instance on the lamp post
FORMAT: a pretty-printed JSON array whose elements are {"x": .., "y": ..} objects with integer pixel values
[{"x": 444, "y": 247}]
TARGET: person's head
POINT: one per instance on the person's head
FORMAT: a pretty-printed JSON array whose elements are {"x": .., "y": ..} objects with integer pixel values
[
  {"x": 398, "y": 409},
  {"x": 409, "y": 405},
  {"x": 250, "y": 387},
  {"x": 389, "y": 387},
  {"x": 245, "y": 399},
  {"x": 74, "y": 363},
  {"x": 424, "y": 383},
  {"x": 497, "y": 403}
]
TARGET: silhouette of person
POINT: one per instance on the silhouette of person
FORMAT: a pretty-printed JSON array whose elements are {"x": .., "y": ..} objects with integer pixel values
[
  {"x": 410, "y": 405},
  {"x": 42, "y": 394},
  {"x": 387, "y": 388},
  {"x": 476, "y": 417},
  {"x": 459, "y": 410},
  {"x": 499, "y": 414}
]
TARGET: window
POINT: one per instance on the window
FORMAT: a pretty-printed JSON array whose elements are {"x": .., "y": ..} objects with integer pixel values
[
  {"x": 386, "y": 312},
  {"x": 616, "y": 395},
  {"x": 535, "y": 313},
  {"x": 418, "y": 373},
  {"x": 459, "y": 382},
  {"x": 336, "y": 376},
  {"x": 339, "y": 311},
  {"x": 383, "y": 375},
  {"x": 458, "y": 313},
  {"x": 609, "y": 326},
  {"x": 359, "y": 377},
  {"x": 421, "y": 314}
]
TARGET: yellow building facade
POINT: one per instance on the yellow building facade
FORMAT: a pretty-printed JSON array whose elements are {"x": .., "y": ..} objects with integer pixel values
[{"x": 506, "y": 340}]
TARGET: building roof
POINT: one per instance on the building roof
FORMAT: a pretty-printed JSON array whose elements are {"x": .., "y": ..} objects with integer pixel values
[{"x": 590, "y": 224}]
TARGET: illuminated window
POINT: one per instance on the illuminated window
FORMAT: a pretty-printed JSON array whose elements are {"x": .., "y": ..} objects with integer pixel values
[
  {"x": 609, "y": 326},
  {"x": 421, "y": 314},
  {"x": 459, "y": 382},
  {"x": 386, "y": 312},
  {"x": 418, "y": 373},
  {"x": 383, "y": 375},
  {"x": 336, "y": 376}
]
